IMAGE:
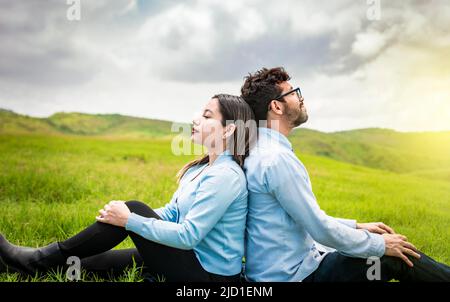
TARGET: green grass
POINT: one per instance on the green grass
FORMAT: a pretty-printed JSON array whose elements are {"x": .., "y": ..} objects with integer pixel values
[
  {"x": 415, "y": 207},
  {"x": 379, "y": 148},
  {"x": 133, "y": 274},
  {"x": 419, "y": 153},
  {"x": 52, "y": 186}
]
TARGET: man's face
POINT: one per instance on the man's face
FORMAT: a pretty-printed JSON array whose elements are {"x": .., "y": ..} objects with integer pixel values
[{"x": 295, "y": 110}]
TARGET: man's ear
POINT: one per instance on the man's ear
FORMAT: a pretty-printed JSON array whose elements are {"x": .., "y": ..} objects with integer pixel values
[{"x": 276, "y": 107}]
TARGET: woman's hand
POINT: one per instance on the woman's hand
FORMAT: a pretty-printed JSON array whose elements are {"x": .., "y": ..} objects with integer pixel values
[
  {"x": 115, "y": 212},
  {"x": 375, "y": 227}
]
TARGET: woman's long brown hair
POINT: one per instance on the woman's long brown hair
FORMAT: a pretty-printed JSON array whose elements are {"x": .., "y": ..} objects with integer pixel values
[{"x": 235, "y": 109}]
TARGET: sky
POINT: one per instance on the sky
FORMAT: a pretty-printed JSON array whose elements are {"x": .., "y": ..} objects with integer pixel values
[{"x": 359, "y": 63}]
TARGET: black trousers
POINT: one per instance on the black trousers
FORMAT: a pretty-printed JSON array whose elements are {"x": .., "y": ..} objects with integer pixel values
[
  {"x": 93, "y": 245},
  {"x": 336, "y": 267}
]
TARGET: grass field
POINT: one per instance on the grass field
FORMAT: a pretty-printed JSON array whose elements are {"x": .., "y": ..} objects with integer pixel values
[{"x": 52, "y": 186}]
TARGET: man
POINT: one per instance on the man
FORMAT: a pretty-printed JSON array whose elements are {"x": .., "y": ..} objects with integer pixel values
[{"x": 287, "y": 233}]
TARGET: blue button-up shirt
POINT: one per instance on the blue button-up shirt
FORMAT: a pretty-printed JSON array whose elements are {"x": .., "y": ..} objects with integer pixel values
[
  {"x": 285, "y": 226},
  {"x": 207, "y": 214}
]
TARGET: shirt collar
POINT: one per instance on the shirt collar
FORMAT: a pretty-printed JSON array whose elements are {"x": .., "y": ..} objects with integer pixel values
[
  {"x": 224, "y": 156},
  {"x": 275, "y": 136}
]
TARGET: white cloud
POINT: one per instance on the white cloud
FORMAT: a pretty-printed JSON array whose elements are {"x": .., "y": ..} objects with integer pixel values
[
  {"x": 368, "y": 44},
  {"x": 165, "y": 60},
  {"x": 250, "y": 25}
]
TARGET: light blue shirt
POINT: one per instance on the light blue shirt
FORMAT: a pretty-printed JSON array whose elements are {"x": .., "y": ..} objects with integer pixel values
[
  {"x": 207, "y": 214},
  {"x": 285, "y": 226}
]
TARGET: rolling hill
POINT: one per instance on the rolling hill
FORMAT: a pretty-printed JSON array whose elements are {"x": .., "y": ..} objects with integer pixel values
[
  {"x": 424, "y": 154},
  {"x": 84, "y": 124},
  {"x": 383, "y": 149}
]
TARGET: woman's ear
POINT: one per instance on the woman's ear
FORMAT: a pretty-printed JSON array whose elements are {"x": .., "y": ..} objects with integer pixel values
[{"x": 229, "y": 130}]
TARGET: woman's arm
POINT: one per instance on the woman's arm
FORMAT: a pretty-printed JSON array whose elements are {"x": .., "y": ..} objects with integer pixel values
[
  {"x": 168, "y": 212},
  {"x": 213, "y": 197}
]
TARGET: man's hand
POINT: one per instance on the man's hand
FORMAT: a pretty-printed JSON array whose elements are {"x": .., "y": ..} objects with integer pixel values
[
  {"x": 398, "y": 246},
  {"x": 115, "y": 212},
  {"x": 375, "y": 227}
]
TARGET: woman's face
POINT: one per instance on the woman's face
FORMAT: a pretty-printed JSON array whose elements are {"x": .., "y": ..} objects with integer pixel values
[{"x": 207, "y": 128}]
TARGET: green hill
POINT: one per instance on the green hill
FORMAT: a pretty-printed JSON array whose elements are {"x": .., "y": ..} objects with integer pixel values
[
  {"x": 380, "y": 148},
  {"x": 84, "y": 124},
  {"x": 108, "y": 124},
  {"x": 424, "y": 154},
  {"x": 11, "y": 122}
]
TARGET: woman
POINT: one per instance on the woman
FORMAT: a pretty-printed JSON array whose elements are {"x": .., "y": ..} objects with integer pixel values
[{"x": 198, "y": 236}]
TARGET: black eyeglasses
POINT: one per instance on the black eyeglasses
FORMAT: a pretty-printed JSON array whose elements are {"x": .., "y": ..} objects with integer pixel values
[{"x": 297, "y": 90}]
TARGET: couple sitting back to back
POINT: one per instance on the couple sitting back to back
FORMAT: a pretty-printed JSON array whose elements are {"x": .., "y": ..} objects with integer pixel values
[{"x": 248, "y": 196}]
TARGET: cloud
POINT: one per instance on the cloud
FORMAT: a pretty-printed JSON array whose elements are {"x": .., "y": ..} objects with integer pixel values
[
  {"x": 135, "y": 56},
  {"x": 369, "y": 44}
]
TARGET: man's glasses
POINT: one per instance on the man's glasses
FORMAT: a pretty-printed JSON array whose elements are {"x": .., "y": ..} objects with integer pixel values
[{"x": 297, "y": 90}]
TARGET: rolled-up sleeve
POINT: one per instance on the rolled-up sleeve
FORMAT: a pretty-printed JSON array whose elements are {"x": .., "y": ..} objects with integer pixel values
[{"x": 288, "y": 181}]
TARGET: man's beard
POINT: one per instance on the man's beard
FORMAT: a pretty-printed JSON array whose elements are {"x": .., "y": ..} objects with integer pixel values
[{"x": 296, "y": 118}]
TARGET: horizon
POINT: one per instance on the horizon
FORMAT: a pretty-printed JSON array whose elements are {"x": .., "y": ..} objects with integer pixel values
[
  {"x": 360, "y": 64},
  {"x": 169, "y": 121}
]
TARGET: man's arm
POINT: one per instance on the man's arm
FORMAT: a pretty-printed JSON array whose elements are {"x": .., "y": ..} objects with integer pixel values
[
  {"x": 373, "y": 227},
  {"x": 351, "y": 223},
  {"x": 287, "y": 180}
]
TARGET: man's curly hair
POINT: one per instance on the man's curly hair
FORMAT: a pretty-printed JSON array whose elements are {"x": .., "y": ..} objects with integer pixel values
[{"x": 260, "y": 88}]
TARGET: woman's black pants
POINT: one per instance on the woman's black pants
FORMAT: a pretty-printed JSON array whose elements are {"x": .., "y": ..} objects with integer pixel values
[{"x": 93, "y": 246}]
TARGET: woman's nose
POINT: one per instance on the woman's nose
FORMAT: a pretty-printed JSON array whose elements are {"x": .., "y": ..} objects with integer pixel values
[{"x": 195, "y": 121}]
